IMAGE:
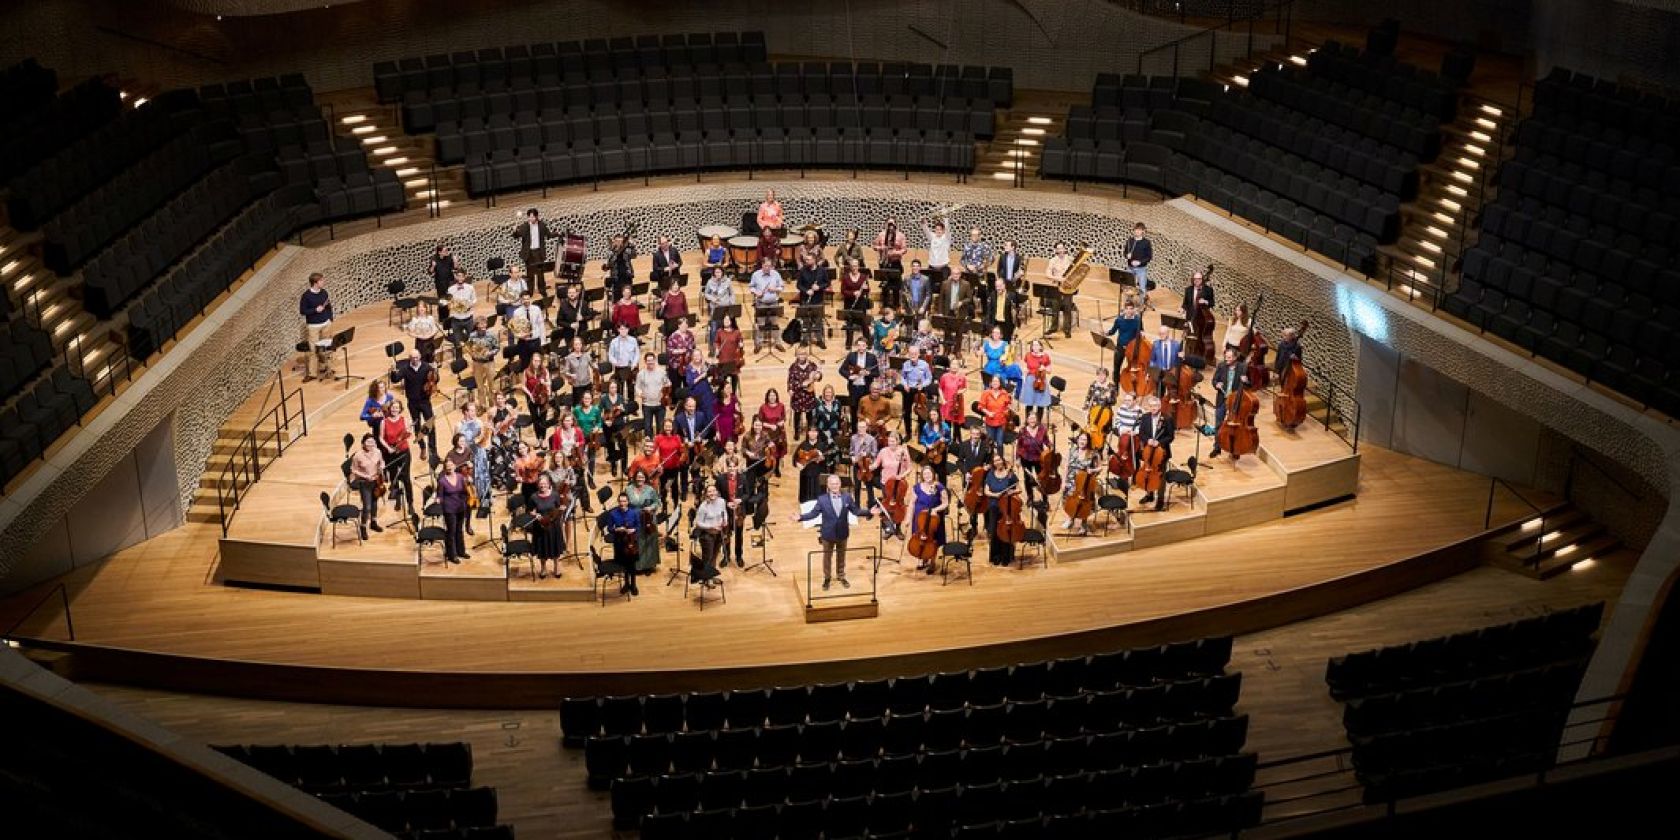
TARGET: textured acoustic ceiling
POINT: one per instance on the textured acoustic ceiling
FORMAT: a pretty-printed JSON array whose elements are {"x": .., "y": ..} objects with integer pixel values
[{"x": 245, "y": 8}]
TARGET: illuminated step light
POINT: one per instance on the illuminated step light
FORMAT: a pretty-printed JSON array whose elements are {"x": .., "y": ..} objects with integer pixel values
[
  {"x": 1227, "y": 88},
  {"x": 1240, "y": 80},
  {"x": 378, "y": 138},
  {"x": 1429, "y": 246},
  {"x": 122, "y": 94},
  {"x": 396, "y": 161},
  {"x": 407, "y": 171},
  {"x": 1463, "y": 176},
  {"x": 1019, "y": 153},
  {"x": 1450, "y": 204},
  {"x": 1003, "y": 176},
  {"x": 141, "y": 101},
  {"x": 1025, "y": 141},
  {"x": 1489, "y": 109},
  {"x": 442, "y": 202},
  {"x": 62, "y": 326},
  {"x": 1406, "y": 290},
  {"x": 1423, "y": 260},
  {"x": 1478, "y": 151},
  {"x": 364, "y": 129},
  {"x": 1040, "y": 120},
  {"x": 415, "y": 182},
  {"x": 1582, "y": 564},
  {"x": 1486, "y": 123},
  {"x": 1458, "y": 191},
  {"x": 1033, "y": 132},
  {"x": 1298, "y": 60},
  {"x": 1435, "y": 231},
  {"x": 1010, "y": 164},
  {"x": 1468, "y": 163},
  {"x": 1531, "y": 524},
  {"x": 1481, "y": 136},
  {"x": 1566, "y": 550},
  {"x": 354, "y": 118},
  {"x": 1443, "y": 216},
  {"x": 424, "y": 193}
]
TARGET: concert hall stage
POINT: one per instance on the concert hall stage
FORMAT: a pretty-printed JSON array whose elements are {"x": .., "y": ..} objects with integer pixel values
[{"x": 1306, "y": 528}]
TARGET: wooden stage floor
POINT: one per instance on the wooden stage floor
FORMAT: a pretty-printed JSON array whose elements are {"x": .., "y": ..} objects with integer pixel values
[{"x": 1249, "y": 572}]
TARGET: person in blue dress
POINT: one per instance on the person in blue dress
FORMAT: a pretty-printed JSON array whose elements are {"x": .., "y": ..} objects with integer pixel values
[
  {"x": 1034, "y": 399},
  {"x": 931, "y": 496},
  {"x": 995, "y": 351}
]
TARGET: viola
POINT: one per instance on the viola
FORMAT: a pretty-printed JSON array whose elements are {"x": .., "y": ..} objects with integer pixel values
[
  {"x": 1290, "y": 407},
  {"x": 975, "y": 496},
  {"x": 1100, "y": 417},
  {"x": 892, "y": 499},
  {"x": 922, "y": 545},
  {"x": 806, "y": 457},
  {"x": 1134, "y": 379},
  {"x": 1237, "y": 434},
  {"x": 935, "y": 455},
  {"x": 1049, "y": 475},
  {"x": 1011, "y": 528},
  {"x": 1081, "y": 499},
  {"x": 865, "y": 469},
  {"x": 1151, "y": 469}
]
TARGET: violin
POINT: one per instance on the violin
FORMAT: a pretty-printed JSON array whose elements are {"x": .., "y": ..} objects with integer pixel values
[
  {"x": 1081, "y": 499},
  {"x": 1290, "y": 407},
  {"x": 431, "y": 382},
  {"x": 1099, "y": 418},
  {"x": 1135, "y": 378},
  {"x": 806, "y": 457},
  {"x": 1041, "y": 376},
  {"x": 1011, "y": 528},
  {"x": 923, "y": 545},
  {"x": 935, "y": 455},
  {"x": 892, "y": 499},
  {"x": 974, "y": 496},
  {"x": 1151, "y": 469},
  {"x": 1237, "y": 434},
  {"x": 1049, "y": 475}
]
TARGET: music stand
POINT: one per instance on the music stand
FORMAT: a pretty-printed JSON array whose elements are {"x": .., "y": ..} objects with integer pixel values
[
  {"x": 857, "y": 322},
  {"x": 341, "y": 344},
  {"x": 761, "y": 524},
  {"x": 815, "y": 318},
  {"x": 1174, "y": 322},
  {"x": 765, "y": 338}
]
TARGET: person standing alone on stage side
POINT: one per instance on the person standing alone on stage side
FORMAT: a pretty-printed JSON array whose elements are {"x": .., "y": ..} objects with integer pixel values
[
  {"x": 1139, "y": 252},
  {"x": 832, "y": 509},
  {"x": 317, "y": 313},
  {"x": 533, "y": 235}
]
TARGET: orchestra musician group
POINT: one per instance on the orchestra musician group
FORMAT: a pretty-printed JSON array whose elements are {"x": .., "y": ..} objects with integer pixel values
[{"x": 640, "y": 436}]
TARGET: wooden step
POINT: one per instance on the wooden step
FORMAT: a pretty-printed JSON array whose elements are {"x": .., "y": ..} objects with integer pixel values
[
  {"x": 1517, "y": 541},
  {"x": 1554, "y": 563}
]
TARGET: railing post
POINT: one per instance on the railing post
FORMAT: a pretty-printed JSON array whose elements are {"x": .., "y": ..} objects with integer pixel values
[
  {"x": 1487, "y": 518},
  {"x": 69, "y": 622}
]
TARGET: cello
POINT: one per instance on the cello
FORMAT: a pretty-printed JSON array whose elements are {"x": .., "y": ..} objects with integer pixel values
[
  {"x": 1151, "y": 469},
  {"x": 1049, "y": 476},
  {"x": 1122, "y": 461},
  {"x": 892, "y": 499},
  {"x": 1134, "y": 379},
  {"x": 923, "y": 545},
  {"x": 1181, "y": 395},
  {"x": 974, "y": 496},
  {"x": 1081, "y": 498},
  {"x": 1011, "y": 528},
  {"x": 1099, "y": 418},
  {"x": 1237, "y": 434},
  {"x": 1290, "y": 406}
]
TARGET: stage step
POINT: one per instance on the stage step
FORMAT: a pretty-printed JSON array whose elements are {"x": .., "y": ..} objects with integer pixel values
[{"x": 1550, "y": 544}]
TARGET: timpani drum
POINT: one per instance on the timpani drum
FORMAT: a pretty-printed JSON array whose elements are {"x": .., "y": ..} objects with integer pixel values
[
  {"x": 743, "y": 250},
  {"x": 723, "y": 233},
  {"x": 790, "y": 247},
  {"x": 573, "y": 254}
]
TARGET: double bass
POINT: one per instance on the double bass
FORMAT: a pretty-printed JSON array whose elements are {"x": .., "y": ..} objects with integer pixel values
[
  {"x": 1290, "y": 406},
  {"x": 1252, "y": 350},
  {"x": 1199, "y": 334},
  {"x": 1237, "y": 434},
  {"x": 1134, "y": 379}
]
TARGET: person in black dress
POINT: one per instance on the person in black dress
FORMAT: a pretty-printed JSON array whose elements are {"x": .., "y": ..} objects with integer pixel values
[
  {"x": 548, "y": 536},
  {"x": 1000, "y": 482},
  {"x": 452, "y": 498}
]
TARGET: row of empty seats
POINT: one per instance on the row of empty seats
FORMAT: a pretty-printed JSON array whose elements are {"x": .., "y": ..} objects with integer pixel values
[
  {"x": 1573, "y": 258},
  {"x": 39, "y": 134},
  {"x": 31, "y": 422},
  {"x": 1454, "y": 710},
  {"x": 25, "y": 350}
]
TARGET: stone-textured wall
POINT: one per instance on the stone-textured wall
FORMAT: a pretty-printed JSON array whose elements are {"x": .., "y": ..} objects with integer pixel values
[{"x": 1052, "y": 44}]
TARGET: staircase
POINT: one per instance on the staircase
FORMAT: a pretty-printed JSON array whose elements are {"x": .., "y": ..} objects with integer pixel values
[
  {"x": 357, "y": 113},
  {"x": 1020, "y": 135},
  {"x": 204, "y": 507},
  {"x": 1436, "y": 226},
  {"x": 1550, "y": 544}
]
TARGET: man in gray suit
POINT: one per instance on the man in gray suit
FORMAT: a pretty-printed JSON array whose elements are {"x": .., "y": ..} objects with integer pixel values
[{"x": 833, "y": 507}]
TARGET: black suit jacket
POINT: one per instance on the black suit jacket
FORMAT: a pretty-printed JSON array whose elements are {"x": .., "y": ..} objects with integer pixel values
[
  {"x": 665, "y": 262},
  {"x": 414, "y": 382},
  {"x": 747, "y": 487},
  {"x": 1219, "y": 374},
  {"x": 1008, "y": 264},
  {"x": 522, "y": 233},
  {"x": 971, "y": 453},
  {"x": 1190, "y": 301},
  {"x": 1147, "y": 431}
]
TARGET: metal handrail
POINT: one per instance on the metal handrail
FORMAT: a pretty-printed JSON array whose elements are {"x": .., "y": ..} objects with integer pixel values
[
  {"x": 245, "y": 465},
  {"x": 1582, "y": 455},
  {"x": 1315, "y": 375},
  {"x": 63, "y": 592},
  {"x": 1282, "y": 9},
  {"x": 1343, "y": 761},
  {"x": 1494, "y": 482}
]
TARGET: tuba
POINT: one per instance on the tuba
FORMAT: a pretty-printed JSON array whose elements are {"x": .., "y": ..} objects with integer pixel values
[{"x": 1077, "y": 270}]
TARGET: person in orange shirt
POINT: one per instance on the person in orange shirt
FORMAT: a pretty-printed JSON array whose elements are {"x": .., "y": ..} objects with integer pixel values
[
  {"x": 647, "y": 462},
  {"x": 673, "y": 482},
  {"x": 994, "y": 407}
]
